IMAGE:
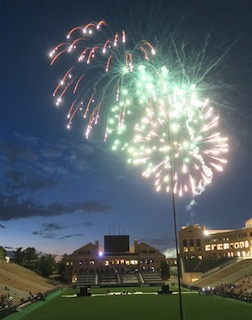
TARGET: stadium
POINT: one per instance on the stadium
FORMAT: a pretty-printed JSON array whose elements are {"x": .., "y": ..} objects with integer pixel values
[
  {"x": 116, "y": 264},
  {"x": 123, "y": 279}
]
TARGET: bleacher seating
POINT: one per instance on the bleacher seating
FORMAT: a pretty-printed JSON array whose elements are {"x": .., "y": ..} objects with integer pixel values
[
  {"x": 153, "y": 278},
  {"x": 205, "y": 265},
  {"x": 16, "y": 294},
  {"x": 21, "y": 283},
  {"x": 231, "y": 273},
  {"x": 246, "y": 282},
  {"x": 130, "y": 278},
  {"x": 85, "y": 280},
  {"x": 114, "y": 279},
  {"x": 108, "y": 279}
]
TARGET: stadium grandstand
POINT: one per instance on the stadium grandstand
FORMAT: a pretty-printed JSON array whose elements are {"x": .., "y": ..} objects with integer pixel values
[
  {"x": 216, "y": 258},
  {"x": 20, "y": 287},
  {"x": 117, "y": 264}
]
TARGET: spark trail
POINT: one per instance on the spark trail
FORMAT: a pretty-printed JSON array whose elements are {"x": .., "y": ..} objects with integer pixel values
[{"x": 101, "y": 76}]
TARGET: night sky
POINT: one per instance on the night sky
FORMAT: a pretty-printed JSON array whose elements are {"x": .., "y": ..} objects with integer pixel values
[{"x": 59, "y": 191}]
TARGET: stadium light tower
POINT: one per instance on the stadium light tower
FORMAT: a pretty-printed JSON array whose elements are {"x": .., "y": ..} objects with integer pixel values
[{"x": 175, "y": 226}]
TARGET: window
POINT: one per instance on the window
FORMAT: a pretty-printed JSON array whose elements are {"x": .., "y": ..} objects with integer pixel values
[
  {"x": 191, "y": 242},
  {"x": 198, "y": 243},
  {"x": 184, "y": 242}
]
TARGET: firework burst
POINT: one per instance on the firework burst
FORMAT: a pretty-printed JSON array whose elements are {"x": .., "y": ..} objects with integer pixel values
[
  {"x": 171, "y": 130},
  {"x": 103, "y": 71},
  {"x": 177, "y": 140}
]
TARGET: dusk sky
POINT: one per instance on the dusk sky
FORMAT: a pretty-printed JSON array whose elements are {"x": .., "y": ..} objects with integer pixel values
[{"x": 58, "y": 190}]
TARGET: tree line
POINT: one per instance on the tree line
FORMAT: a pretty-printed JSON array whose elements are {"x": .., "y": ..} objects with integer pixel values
[{"x": 29, "y": 258}]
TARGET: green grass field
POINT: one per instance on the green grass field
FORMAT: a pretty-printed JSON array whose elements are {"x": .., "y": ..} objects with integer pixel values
[{"x": 139, "y": 306}]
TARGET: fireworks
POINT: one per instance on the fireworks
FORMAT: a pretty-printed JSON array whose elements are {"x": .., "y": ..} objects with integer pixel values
[
  {"x": 177, "y": 141},
  {"x": 171, "y": 129},
  {"x": 103, "y": 72}
]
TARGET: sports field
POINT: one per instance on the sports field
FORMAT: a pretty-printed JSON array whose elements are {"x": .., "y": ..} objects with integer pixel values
[{"x": 144, "y": 304}]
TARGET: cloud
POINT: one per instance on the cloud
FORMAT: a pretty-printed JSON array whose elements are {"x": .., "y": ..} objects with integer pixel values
[
  {"x": 37, "y": 233},
  {"x": 27, "y": 139},
  {"x": 51, "y": 235},
  {"x": 87, "y": 224},
  {"x": 11, "y": 152},
  {"x": 2, "y": 226},
  {"x": 44, "y": 234},
  {"x": 31, "y": 164},
  {"x": 170, "y": 253},
  {"x": 14, "y": 207},
  {"x": 8, "y": 248},
  {"x": 84, "y": 224},
  {"x": 30, "y": 182},
  {"x": 71, "y": 236},
  {"x": 14, "y": 176},
  {"x": 52, "y": 226},
  {"x": 48, "y": 228},
  {"x": 120, "y": 177}
]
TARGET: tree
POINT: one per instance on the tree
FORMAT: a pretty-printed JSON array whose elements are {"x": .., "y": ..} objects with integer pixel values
[
  {"x": 18, "y": 256},
  {"x": 61, "y": 265},
  {"x": 165, "y": 270},
  {"x": 46, "y": 265},
  {"x": 30, "y": 255},
  {"x": 2, "y": 254},
  {"x": 27, "y": 257}
]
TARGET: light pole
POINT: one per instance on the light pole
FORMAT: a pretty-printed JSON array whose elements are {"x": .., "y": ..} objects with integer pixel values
[
  {"x": 177, "y": 255},
  {"x": 175, "y": 225}
]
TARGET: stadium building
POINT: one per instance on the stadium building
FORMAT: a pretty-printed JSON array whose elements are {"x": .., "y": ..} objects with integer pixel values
[
  {"x": 116, "y": 264},
  {"x": 198, "y": 242},
  {"x": 204, "y": 251}
]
